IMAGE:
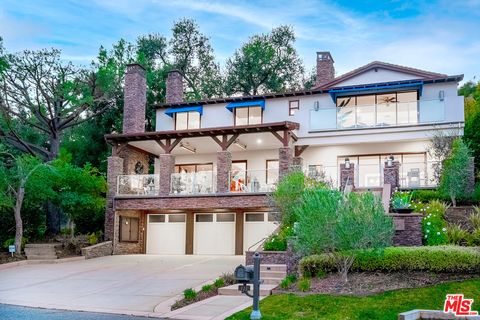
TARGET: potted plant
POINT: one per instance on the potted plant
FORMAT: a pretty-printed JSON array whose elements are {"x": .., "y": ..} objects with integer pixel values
[{"x": 401, "y": 202}]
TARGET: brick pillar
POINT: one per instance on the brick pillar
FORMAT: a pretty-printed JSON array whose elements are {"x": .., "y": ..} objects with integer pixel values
[
  {"x": 347, "y": 174},
  {"x": 285, "y": 161},
  {"x": 114, "y": 169},
  {"x": 325, "y": 68},
  {"x": 224, "y": 166},
  {"x": 135, "y": 99},
  {"x": 174, "y": 90},
  {"x": 471, "y": 176},
  {"x": 391, "y": 175},
  {"x": 167, "y": 167},
  {"x": 297, "y": 163}
]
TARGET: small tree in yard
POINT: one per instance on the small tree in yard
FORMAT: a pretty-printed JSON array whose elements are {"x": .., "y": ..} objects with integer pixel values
[
  {"x": 454, "y": 179},
  {"x": 331, "y": 223}
]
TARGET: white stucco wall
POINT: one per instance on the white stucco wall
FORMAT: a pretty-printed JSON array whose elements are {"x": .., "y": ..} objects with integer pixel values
[{"x": 372, "y": 76}]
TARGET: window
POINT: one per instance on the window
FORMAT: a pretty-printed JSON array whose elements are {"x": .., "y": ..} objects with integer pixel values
[
  {"x": 187, "y": 120},
  {"x": 176, "y": 218},
  {"x": 156, "y": 218},
  {"x": 192, "y": 168},
  {"x": 128, "y": 229},
  {"x": 254, "y": 217},
  {"x": 238, "y": 175},
  {"x": 225, "y": 217},
  {"x": 204, "y": 217},
  {"x": 248, "y": 115},
  {"x": 272, "y": 171},
  {"x": 293, "y": 106}
]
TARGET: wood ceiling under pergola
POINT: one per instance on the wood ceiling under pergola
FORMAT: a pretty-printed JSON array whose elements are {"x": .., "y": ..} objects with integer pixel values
[{"x": 223, "y": 136}]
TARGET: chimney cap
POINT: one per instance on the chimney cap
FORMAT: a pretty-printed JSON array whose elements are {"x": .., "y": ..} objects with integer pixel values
[
  {"x": 175, "y": 70},
  {"x": 324, "y": 55},
  {"x": 134, "y": 65}
]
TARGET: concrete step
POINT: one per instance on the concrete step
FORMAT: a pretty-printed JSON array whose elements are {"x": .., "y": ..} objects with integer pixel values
[
  {"x": 273, "y": 274},
  {"x": 273, "y": 267},
  {"x": 42, "y": 245},
  {"x": 265, "y": 290},
  {"x": 40, "y": 250},
  {"x": 274, "y": 281},
  {"x": 41, "y": 257}
]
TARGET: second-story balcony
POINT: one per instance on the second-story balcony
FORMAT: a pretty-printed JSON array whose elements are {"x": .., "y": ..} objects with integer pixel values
[
  {"x": 253, "y": 181},
  {"x": 138, "y": 184},
  {"x": 192, "y": 183},
  {"x": 378, "y": 115}
]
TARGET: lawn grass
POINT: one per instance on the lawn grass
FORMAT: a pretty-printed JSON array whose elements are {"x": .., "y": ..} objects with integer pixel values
[{"x": 382, "y": 306}]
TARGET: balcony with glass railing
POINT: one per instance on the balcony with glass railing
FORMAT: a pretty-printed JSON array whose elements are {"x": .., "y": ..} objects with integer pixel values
[
  {"x": 192, "y": 183},
  {"x": 138, "y": 184},
  {"x": 253, "y": 181},
  {"x": 378, "y": 115}
]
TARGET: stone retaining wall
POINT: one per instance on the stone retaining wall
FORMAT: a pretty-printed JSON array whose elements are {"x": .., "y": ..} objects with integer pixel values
[
  {"x": 98, "y": 250},
  {"x": 408, "y": 229},
  {"x": 289, "y": 258},
  {"x": 459, "y": 215}
]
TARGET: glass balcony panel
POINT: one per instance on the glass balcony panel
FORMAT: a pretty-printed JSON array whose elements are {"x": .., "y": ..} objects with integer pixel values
[
  {"x": 386, "y": 114},
  {"x": 323, "y": 119},
  {"x": 346, "y": 117},
  {"x": 366, "y": 116},
  {"x": 202, "y": 182},
  {"x": 255, "y": 181},
  {"x": 138, "y": 184},
  {"x": 431, "y": 111}
]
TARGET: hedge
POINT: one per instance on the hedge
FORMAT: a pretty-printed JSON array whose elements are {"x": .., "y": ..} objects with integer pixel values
[{"x": 450, "y": 259}]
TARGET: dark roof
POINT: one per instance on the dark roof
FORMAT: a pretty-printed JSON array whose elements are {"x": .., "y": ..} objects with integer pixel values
[
  {"x": 202, "y": 132},
  {"x": 422, "y": 74}
]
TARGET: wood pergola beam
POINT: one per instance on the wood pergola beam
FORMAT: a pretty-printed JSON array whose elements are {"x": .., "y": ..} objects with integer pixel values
[
  {"x": 168, "y": 145},
  {"x": 299, "y": 150},
  {"x": 225, "y": 142}
]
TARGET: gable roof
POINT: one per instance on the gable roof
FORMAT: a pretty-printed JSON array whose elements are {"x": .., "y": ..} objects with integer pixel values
[{"x": 422, "y": 74}]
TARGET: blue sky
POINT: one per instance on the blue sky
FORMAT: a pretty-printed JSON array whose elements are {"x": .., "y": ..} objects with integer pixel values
[{"x": 439, "y": 36}]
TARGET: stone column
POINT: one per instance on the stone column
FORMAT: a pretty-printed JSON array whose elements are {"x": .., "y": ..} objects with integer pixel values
[
  {"x": 297, "y": 163},
  {"x": 135, "y": 93},
  {"x": 167, "y": 167},
  {"x": 285, "y": 161},
  {"x": 347, "y": 174},
  {"x": 391, "y": 175},
  {"x": 114, "y": 169},
  {"x": 224, "y": 166}
]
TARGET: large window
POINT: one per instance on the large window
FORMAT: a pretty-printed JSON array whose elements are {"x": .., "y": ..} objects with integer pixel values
[
  {"x": 128, "y": 229},
  {"x": 248, "y": 115},
  {"x": 272, "y": 171},
  {"x": 293, "y": 106},
  {"x": 238, "y": 175},
  {"x": 187, "y": 120}
]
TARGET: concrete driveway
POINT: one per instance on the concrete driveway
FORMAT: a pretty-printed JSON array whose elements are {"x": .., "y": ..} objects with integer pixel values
[{"x": 135, "y": 284}]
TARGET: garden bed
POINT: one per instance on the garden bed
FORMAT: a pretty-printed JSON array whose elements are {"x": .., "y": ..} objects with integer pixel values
[
  {"x": 6, "y": 257},
  {"x": 367, "y": 283}
]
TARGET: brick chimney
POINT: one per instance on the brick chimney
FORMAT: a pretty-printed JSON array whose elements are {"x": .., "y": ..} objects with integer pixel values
[
  {"x": 174, "y": 92},
  {"x": 325, "y": 69},
  {"x": 135, "y": 99}
]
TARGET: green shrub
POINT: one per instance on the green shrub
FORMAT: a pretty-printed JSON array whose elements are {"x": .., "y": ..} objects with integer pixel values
[
  {"x": 476, "y": 193},
  {"x": 473, "y": 238},
  {"x": 456, "y": 234},
  {"x": 401, "y": 200},
  {"x": 278, "y": 242},
  {"x": 304, "y": 284},
  {"x": 93, "y": 238},
  {"x": 474, "y": 218},
  {"x": 451, "y": 259},
  {"x": 219, "y": 283},
  {"x": 287, "y": 281},
  {"x": 207, "y": 288},
  {"x": 189, "y": 294},
  {"x": 434, "y": 227},
  {"x": 427, "y": 195},
  {"x": 11, "y": 242}
]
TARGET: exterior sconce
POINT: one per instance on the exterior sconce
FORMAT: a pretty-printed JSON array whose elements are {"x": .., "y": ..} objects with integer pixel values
[
  {"x": 390, "y": 161},
  {"x": 347, "y": 163},
  {"x": 441, "y": 95}
]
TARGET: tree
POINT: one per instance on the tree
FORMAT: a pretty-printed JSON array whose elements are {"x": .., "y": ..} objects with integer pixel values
[
  {"x": 471, "y": 93},
  {"x": 338, "y": 225},
  {"x": 266, "y": 63},
  {"x": 19, "y": 176},
  {"x": 454, "y": 181},
  {"x": 439, "y": 149}
]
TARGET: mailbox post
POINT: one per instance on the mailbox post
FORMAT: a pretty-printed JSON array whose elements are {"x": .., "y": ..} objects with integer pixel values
[{"x": 245, "y": 275}]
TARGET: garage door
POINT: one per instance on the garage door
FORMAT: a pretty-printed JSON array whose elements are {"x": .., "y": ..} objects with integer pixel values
[
  {"x": 214, "y": 233},
  {"x": 258, "y": 226},
  {"x": 166, "y": 233}
]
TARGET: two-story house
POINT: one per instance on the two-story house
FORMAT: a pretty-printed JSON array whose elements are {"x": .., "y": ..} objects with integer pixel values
[{"x": 216, "y": 161}]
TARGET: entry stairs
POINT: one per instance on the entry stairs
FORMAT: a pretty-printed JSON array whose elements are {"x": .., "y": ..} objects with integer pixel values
[
  {"x": 41, "y": 251},
  {"x": 270, "y": 274}
]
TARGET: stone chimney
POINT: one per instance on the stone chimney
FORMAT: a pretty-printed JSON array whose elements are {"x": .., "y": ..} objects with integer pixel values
[
  {"x": 135, "y": 99},
  {"x": 325, "y": 69},
  {"x": 174, "y": 92}
]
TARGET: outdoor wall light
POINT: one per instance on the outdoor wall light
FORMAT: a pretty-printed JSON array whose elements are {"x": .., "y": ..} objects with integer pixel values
[
  {"x": 347, "y": 163},
  {"x": 390, "y": 161},
  {"x": 441, "y": 95}
]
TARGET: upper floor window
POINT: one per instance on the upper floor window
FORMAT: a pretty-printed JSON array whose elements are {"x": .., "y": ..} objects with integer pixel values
[
  {"x": 293, "y": 106},
  {"x": 248, "y": 115},
  {"x": 187, "y": 120}
]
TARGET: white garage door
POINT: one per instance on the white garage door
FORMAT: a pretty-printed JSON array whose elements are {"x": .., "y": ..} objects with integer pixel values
[
  {"x": 166, "y": 233},
  {"x": 258, "y": 226},
  {"x": 214, "y": 233}
]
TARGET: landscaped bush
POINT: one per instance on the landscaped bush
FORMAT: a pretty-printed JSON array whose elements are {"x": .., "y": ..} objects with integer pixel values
[
  {"x": 288, "y": 281},
  {"x": 304, "y": 284},
  {"x": 207, "y": 287},
  {"x": 456, "y": 235},
  {"x": 427, "y": 195},
  {"x": 452, "y": 259},
  {"x": 189, "y": 294},
  {"x": 474, "y": 218},
  {"x": 278, "y": 242}
]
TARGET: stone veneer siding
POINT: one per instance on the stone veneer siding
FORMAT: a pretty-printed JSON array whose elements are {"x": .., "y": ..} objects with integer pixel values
[
  {"x": 391, "y": 175},
  {"x": 347, "y": 174},
  {"x": 130, "y": 247},
  {"x": 325, "y": 68},
  {"x": 285, "y": 161},
  {"x": 98, "y": 250},
  {"x": 408, "y": 229},
  {"x": 114, "y": 169},
  {"x": 224, "y": 166},
  {"x": 131, "y": 158},
  {"x": 167, "y": 167},
  {"x": 135, "y": 99},
  {"x": 267, "y": 257},
  {"x": 174, "y": 92},
  {"x": 459, "y": 215}
]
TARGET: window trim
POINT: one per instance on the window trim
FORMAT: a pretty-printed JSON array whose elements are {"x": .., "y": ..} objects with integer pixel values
[
  {"x": 248, "y": 115},
  {"x": 130, "y": 233},
  {"x": 188, "y": 119},
  {"x": 290, "y": 108}
]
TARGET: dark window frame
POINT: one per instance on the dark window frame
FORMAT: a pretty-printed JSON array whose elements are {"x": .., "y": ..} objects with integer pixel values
[
  {"x": 290, "y": 108},
  {"x": 354, "y": 97},
  {"x": 188, "y": 120},
  {"x": 248, "y": 115},
  {"x": 129, "y": 219}
]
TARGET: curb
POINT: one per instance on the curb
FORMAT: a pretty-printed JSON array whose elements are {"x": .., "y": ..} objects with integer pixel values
[{"x": 29, "y": 262}]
